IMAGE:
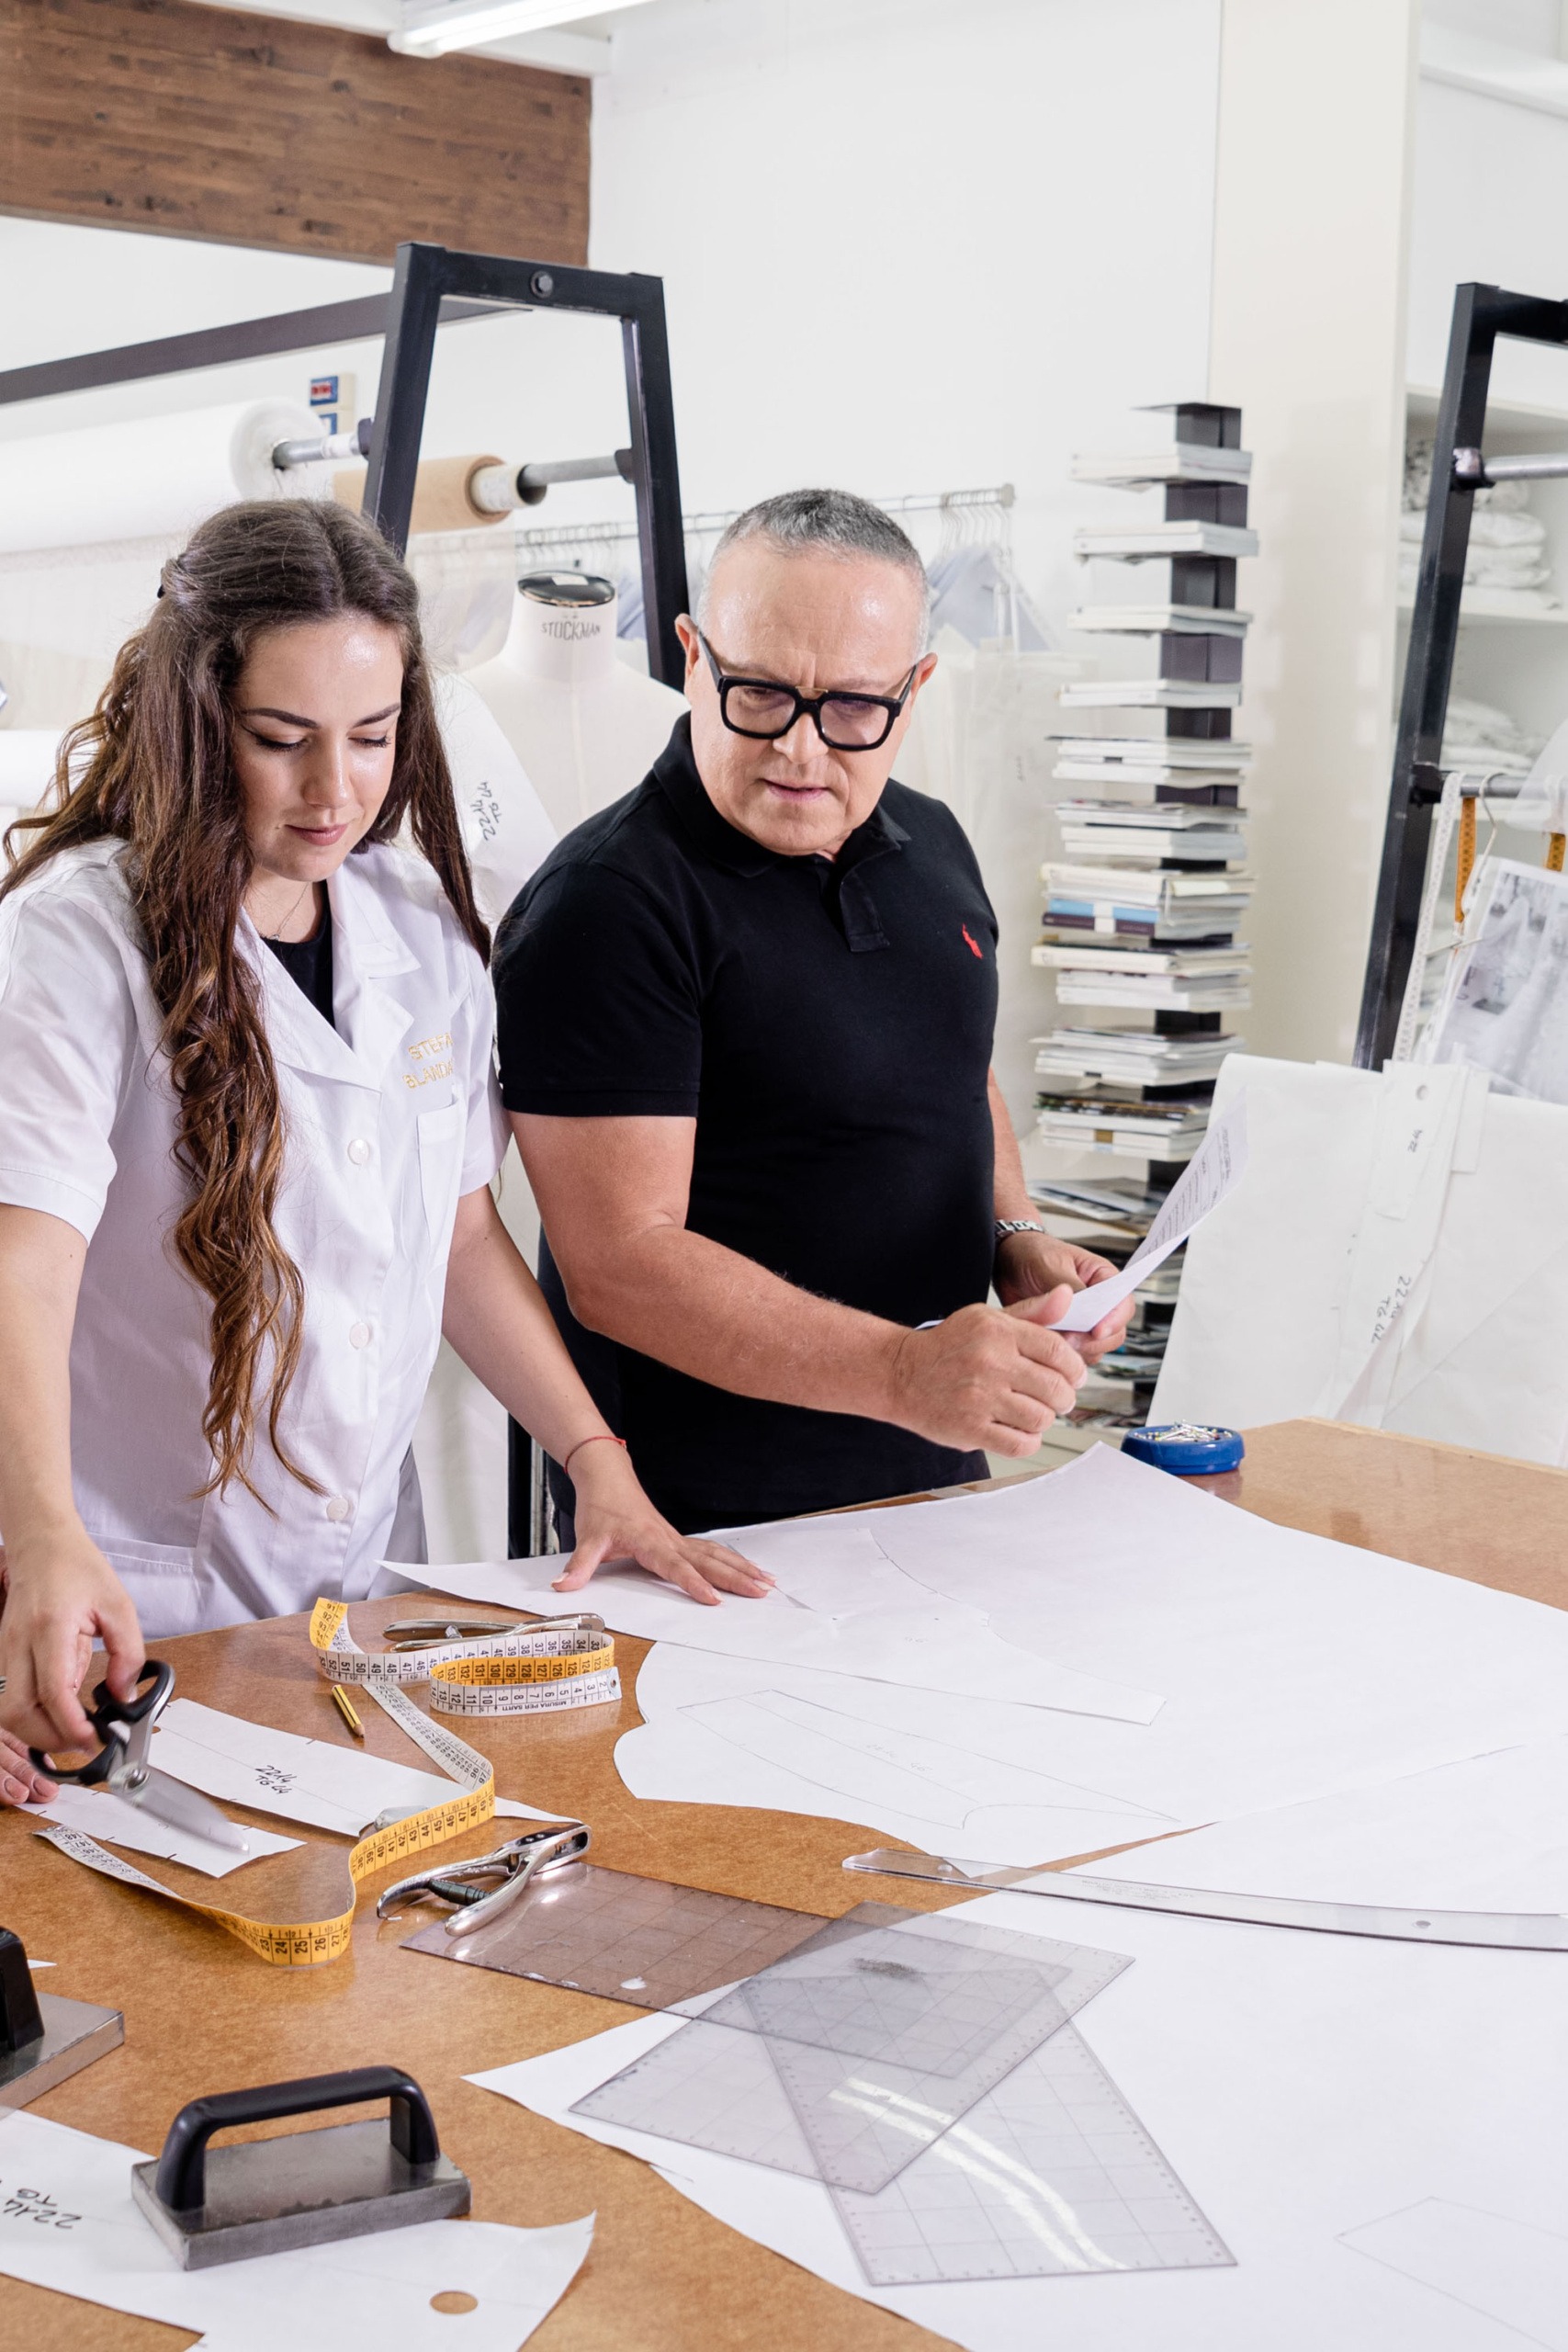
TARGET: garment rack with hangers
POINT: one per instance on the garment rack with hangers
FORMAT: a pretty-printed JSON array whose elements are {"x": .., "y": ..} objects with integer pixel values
[
  {"x": 1481, "y": 315},
  {"x": 544, "y": 539}
]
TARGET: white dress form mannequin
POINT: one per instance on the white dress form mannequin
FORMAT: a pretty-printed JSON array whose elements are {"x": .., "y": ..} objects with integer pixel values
[
  {"x": 550, "y": 730},
  {"x": 585, "y": 728}
]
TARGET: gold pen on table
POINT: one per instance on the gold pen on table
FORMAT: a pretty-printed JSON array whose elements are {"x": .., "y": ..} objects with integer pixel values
[{"x": 345, "y": 1706}]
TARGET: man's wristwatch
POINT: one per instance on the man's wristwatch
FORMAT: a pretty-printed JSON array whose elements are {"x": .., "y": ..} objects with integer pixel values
[{"x": 1006, "y": 1224}]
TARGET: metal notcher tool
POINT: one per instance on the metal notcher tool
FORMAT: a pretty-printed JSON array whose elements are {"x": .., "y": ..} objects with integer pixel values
[
  {"x": 121, "y": 1765},
  {"x": 478, "y": 1891}
]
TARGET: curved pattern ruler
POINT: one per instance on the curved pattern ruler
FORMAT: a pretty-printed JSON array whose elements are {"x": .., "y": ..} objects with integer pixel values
[{"x": 1500, "y": 1930}]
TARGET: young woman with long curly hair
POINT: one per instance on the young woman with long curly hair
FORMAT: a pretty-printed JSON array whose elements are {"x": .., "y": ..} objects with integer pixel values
[{"x": 250, "y": 1125}]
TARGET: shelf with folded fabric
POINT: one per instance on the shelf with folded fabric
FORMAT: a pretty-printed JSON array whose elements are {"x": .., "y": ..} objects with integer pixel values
[
  {"x": 1480, "y": 607},
  {"x": 1516, "y": 601}
]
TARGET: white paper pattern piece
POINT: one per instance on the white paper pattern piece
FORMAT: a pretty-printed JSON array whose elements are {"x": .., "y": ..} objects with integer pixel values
[
  {"x": 1134, "y": 1576},
  {"x": 1504, "y": 2269},
  {"x": 100, "y": 1813},
  {"x": 67, "y": 2222},
  {"x": 276, "y": 1771},
  {"x": 1490, "y": 1834},
  {"x": 936, "y": 1782},
  {"x": 1215, "y": 1170},
  {"x": 887, "y": 1626},
  {"x": 1288, "y": 2079},
  {"x": 1267, "y": 1288}
]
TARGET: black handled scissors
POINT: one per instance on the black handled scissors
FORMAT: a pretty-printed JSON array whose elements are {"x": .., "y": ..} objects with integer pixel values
[{"x": 121, "y": 1766}]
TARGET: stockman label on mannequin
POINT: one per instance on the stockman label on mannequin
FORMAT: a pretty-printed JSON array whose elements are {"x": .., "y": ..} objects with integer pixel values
[{"x": 532, "y": 1671}]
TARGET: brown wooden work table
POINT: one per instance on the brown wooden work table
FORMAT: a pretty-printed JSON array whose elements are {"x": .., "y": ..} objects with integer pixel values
[{"x": 203, "y": 2015}]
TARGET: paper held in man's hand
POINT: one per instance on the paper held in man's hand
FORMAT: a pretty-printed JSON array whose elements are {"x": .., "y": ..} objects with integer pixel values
[{"x": 1214, "y": 1170}]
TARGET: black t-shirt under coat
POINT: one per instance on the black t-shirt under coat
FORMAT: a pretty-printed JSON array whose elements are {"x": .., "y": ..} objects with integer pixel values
[{"x": 828, "y": 1026}]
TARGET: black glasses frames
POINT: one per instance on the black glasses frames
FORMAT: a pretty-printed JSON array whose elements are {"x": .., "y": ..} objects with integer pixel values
[{"x": 764, "y": 708}]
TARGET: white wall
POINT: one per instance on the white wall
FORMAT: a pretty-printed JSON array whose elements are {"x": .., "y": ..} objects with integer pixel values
[
  {"x": 912, "y": 246},
  {"x": 907, "y": 247},
  {"x": 1309, "y": 316},
  {"x": 1491, "y": 202}
]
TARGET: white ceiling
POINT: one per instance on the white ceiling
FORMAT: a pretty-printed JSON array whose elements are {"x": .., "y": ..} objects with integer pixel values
[{"x": 585, "y": 46}]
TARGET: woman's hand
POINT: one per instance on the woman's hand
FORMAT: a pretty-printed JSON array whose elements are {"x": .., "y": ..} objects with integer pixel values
[
  {"x": 62, "y": 1598},
  {"x": 1031, "y": 1264},
  {"x": 19, "y": 1784},
  {"x": 616, "y": 1522}
]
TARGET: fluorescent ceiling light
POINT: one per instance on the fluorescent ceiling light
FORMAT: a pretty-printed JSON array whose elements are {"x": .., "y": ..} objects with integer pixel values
[{"x": 466, "y": 24}]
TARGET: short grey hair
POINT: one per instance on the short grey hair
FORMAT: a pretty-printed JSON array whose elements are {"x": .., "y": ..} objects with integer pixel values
[{"x": 835, "y": 522}]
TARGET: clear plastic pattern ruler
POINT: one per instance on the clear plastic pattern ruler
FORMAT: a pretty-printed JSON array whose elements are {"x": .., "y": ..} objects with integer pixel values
[
  {"x": 636, "y": 1940},
  {"x": 1051, "y": 2174},
  {"x": 1048, "y": 2173},
  {"x": 880, "y": 2037},
  {"x": 884, "y": 2037}
]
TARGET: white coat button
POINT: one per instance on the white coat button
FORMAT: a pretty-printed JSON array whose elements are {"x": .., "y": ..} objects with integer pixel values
[
  {"x": 359, "y": 1336},
  {"x": 337, "y": 1507},
  {"x": 359, "y": 1151}
]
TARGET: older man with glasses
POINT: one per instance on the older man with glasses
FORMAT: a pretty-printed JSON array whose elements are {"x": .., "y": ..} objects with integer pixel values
[{"x": 745, "y": 1035}]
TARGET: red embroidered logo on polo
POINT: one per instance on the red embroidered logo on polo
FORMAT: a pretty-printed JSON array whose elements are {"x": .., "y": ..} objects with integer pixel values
[{"x": 974, "y": 945}]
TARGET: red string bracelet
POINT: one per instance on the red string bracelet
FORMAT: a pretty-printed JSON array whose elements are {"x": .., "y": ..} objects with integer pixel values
[{"x": 600, "y": 1436}]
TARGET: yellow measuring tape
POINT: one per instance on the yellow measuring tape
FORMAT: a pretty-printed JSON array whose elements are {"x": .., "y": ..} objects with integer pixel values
[
  {"x": 579, "y": 1663},
  {"x": 531, "y": 1671},
  {"x": 1464, "y": 859}
]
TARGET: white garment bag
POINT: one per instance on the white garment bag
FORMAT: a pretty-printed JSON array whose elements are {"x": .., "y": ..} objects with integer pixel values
[{"x": 1397, "y": 1256}]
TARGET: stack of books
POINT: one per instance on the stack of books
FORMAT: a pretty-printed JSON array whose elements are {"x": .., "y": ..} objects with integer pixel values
[{"x": 1147, "y": 890}]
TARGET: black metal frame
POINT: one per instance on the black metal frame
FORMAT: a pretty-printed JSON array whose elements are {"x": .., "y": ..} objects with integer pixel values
[
  {"x": 1481, "y": 315},
  {"x": 429, "y": 276},
  {"x": 434, "y": 285}
]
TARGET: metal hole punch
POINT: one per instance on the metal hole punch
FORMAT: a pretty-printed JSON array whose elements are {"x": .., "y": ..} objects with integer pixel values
[
  {"x": 533, "y": 1854},
  {"x": 418, "y": 1633},
  {"x": 126, "y": 1726}
]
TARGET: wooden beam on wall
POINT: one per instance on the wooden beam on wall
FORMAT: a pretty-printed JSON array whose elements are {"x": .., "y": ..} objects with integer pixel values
[{"x": 203, "y": 122}]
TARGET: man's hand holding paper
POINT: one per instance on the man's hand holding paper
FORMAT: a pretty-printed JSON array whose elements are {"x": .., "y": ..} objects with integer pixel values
[
  {"x": 1031, "y": 1266},
  {"x": 1214, "y": 1170}
]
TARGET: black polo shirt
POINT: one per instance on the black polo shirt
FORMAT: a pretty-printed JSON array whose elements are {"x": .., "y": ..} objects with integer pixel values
[{"x": 827, "y": 1024}]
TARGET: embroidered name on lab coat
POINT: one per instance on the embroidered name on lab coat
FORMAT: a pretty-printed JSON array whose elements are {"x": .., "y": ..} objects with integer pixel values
[{"x": 432, "y": 1057}]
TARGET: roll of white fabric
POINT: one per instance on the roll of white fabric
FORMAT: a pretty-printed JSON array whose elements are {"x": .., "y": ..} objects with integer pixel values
[
  {"x": 27, "y": 765},
  {"x": 151, "y": 478}
]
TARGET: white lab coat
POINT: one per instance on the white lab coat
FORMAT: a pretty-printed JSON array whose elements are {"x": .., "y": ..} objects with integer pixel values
[{"x": 390, "y": 1117}]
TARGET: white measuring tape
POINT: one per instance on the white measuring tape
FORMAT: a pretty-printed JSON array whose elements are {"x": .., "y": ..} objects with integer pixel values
[
  {"x": 531, "y": 1671},
  {"x": 519, "y": 1673}
]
